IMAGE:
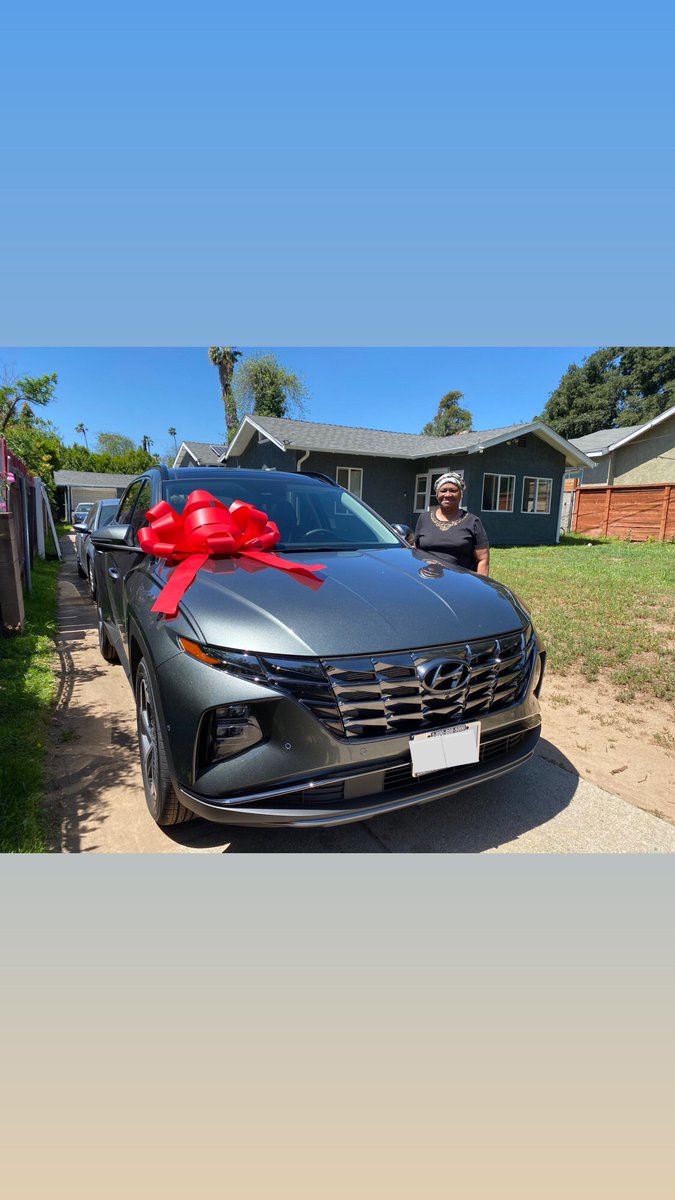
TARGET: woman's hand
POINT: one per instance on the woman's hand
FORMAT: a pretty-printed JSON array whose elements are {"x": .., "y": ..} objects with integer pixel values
[{"x": 482, "y": 561}]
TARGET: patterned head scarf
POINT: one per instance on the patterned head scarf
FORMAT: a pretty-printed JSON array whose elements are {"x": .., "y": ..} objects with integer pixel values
[{"x": 450, "y": 477}]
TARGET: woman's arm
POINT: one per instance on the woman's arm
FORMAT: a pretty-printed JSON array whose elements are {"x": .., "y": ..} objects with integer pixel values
[{"x": 482, "y": 561}]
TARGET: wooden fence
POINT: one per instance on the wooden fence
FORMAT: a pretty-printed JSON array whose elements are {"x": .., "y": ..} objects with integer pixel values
[{"x": 632, "y": 511}]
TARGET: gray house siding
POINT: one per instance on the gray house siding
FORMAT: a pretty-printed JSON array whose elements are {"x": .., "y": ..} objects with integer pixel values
[
  {"x": 259, "y": 456},
  {"x": 534, "y": 459}
]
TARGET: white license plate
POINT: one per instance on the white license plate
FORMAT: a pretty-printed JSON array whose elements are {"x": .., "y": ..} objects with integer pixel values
[{"x": 443, "y": 748}]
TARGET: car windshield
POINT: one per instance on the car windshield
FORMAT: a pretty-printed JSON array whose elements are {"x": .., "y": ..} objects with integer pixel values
[{"x": 309, "y": 514}]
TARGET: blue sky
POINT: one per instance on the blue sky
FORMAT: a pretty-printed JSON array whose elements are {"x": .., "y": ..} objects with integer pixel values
[{"x": 145, "y": 391}]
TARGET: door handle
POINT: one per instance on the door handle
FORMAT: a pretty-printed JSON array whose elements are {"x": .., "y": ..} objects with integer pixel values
[{"x": 113, "y": 573}]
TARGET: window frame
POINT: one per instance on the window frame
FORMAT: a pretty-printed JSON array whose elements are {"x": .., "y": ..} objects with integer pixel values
[
  {"x": 499, "y": 476},
  {"x": 535, "y": 512},
  {"x": 349, "y": 488}
]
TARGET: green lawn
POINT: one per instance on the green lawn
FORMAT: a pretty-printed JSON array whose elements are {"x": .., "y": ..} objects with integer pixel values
[
  {"x": 605, "y": 609},
  {"x": 27, "y": 688}
]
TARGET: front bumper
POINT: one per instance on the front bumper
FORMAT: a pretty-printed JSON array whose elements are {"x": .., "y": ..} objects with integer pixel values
[{"x": 342, "y": 798}]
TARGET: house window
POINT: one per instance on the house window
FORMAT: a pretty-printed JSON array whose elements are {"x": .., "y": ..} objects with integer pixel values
[
  {"x": 350, "y": 478},
  {"x": 425, "y": 485},
  {"x": 498, "y": 493},
  {"x": 537, "y": 495}
]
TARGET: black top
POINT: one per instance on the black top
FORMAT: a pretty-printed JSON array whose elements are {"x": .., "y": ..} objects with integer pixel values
[{"x": 457, "y": 543}]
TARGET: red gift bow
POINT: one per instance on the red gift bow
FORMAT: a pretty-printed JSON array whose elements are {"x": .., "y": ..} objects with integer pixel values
[{"x": 208, "y": 527}]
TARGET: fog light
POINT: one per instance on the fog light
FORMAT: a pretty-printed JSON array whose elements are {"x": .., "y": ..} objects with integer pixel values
[{"x": 233, "y": 728}]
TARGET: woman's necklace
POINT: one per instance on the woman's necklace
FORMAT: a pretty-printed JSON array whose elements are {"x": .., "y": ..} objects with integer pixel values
[{"x": 445, "y": 524}]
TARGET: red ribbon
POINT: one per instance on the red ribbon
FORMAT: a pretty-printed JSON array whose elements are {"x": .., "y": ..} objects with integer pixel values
[{"x": 207, "y": 528}]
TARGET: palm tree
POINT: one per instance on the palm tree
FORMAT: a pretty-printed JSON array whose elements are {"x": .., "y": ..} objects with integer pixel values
[
  {"x": 147, "y": 442},
  {"x": 81, "y": 428},
  {"x": 172, "y": 433},
  {"x": 224, "y": 358}
]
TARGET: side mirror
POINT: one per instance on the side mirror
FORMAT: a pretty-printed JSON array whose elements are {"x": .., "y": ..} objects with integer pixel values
[
  {"x": 80, "y": 528},
  {"x": 406, "y": 533},
  {"x": 113, "y": 537}
]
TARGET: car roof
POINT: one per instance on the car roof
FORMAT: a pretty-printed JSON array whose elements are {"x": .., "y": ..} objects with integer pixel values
[{"x": 184, "y": 474}]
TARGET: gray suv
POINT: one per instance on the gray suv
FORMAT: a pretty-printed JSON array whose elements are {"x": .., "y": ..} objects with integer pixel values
[{"x": 268, "y": 700}]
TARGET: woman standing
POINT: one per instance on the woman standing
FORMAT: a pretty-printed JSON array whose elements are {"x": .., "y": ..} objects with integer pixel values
[{"x": 450, "y": 530}]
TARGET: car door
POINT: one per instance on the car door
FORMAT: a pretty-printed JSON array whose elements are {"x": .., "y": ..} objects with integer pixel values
[{"x": 121, "y": 563}]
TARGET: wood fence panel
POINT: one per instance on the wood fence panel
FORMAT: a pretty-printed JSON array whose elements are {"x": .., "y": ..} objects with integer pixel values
[{"x": 632, "y": 511}]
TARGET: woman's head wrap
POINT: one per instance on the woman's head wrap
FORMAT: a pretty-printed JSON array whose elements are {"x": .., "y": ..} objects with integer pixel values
[{"x": 450, "y": 477}]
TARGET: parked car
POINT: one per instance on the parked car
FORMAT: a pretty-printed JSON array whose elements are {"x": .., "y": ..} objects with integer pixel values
[
  {"x": 81, "y": 512},
  {"x": 100, "y": 514},
  {"x": 265, "y": 701}
]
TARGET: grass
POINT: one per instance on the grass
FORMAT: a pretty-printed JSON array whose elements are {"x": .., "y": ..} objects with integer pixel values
[
  {"x": 27, "y": 688},
  {"x": 603, "y": 608}
]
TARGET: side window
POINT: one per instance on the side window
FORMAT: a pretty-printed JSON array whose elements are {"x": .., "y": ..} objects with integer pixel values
[
  {"x": 128, "y": 501},
  {"x": 143, "y": 503},
  {"x": 498, "y": 493}
]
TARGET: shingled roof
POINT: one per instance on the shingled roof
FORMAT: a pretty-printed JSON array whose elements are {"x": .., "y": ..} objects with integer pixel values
[
  {"x": 310, "y": 435},
  {"x": 348, "y": 439}
]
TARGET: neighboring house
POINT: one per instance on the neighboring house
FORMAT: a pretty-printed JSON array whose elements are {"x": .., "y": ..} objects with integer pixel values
[
  {"x": 78, "y": 487},
  {"x": 199, "y": 454},
  {"x": 635, "y": 454},
  {"x": 514, "y": 475}
]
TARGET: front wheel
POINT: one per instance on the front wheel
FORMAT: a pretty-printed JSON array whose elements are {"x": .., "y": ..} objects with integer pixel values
[{"x": 160, "y": 797}]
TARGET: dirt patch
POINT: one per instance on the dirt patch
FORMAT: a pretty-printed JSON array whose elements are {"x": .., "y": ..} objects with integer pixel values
[{"x": 627, "y": 749}]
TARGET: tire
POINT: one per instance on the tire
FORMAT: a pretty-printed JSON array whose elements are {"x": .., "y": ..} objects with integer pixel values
[
  {"x": 104, "y": 644},
  {"x": 92, "y": 579},
  {"x": 164, "y": 806}
]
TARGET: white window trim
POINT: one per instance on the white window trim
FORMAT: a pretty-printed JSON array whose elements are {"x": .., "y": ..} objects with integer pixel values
[
  {"x": 344, "y": 467},
  {"x": 428, "y": 475},
  {"x": 498, "y": 475},
  {"x": 535, "y": 512}
]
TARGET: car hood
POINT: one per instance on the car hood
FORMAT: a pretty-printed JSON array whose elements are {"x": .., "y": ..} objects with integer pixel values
[{"x": 369, "y": 601}]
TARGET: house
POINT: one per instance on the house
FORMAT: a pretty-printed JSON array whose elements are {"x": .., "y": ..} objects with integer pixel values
[
  {"x": 79, "y": 487},
  {"x": 632, "y": 494},
  {"x": 634, "y": 454},
  {"x": 199, "y": 454},
  {"x": 513, "y": 475}
]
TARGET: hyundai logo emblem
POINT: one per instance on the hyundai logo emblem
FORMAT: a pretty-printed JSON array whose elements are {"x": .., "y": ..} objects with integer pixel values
[{"x": 442, "y": 674}]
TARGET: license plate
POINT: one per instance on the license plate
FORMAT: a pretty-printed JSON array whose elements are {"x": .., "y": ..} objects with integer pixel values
[{"x": 443, "y": 748}]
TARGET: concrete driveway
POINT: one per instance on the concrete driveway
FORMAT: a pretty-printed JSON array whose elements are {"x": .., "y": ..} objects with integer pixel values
[{"x": 96, "y": 801}]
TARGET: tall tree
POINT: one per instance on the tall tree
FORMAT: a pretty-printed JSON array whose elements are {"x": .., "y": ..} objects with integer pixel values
[
  {"x": 115, "y": 444},
  {"x": 224, "y": 358},
  {"x": 82, "y": 428},
  {"x": 615, "y": 386},
  {"x": 450, "y": 417},
  {"x": 262, "y": 385},
  {"x": 172, "y": 433},
  {"x": 24, "y": 392}
]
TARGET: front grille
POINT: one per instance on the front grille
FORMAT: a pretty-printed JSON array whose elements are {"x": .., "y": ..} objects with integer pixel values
[{"x": 413, "y": 690}]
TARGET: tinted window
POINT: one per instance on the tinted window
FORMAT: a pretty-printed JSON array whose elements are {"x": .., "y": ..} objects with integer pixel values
[
  {"x": 308, "y": 513},
  {"x": 143, "y": 503},
  {"x": 128, "y": 500}
]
